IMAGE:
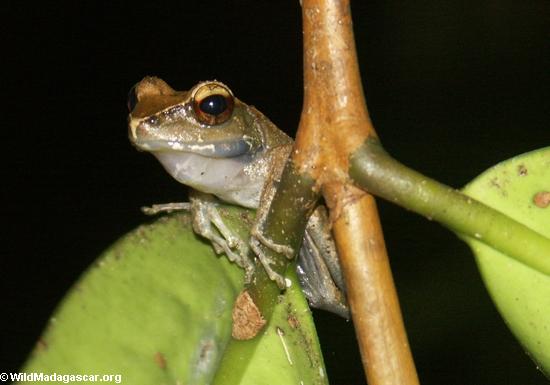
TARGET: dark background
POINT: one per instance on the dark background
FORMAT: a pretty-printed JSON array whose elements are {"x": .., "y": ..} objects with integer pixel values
[{"x": 453, "y": 87}]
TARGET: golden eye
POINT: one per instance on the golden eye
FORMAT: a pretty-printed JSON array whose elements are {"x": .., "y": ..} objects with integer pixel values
[{"x": 213, "y": 103}]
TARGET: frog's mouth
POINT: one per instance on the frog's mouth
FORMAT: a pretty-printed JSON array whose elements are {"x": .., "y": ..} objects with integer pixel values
[{"x": 220, "y": 149}]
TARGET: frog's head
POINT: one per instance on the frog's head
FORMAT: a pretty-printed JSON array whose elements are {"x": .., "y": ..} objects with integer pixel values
[{"x": 206, "y": 120}]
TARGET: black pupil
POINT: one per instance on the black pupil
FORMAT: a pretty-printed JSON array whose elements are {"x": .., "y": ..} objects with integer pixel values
[{"x": 213, "y": 104}]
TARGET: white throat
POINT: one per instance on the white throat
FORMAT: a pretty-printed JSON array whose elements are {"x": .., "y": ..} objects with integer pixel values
[{"x": 234, "y": 180}]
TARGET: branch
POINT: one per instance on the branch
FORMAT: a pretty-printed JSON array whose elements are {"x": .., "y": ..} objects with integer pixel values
[
  {"x": 376, "y": 171},
  {"x": 333, "y": 125}
]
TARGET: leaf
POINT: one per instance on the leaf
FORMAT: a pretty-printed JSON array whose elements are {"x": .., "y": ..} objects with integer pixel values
[
  {"x": 156, "y": 309},
  {"x": 288, "y": 352},
  {"x": 521, "y": 294}
]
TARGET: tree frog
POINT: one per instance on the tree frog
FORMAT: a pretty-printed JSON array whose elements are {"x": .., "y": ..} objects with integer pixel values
[{"x": 224, "y": 149}]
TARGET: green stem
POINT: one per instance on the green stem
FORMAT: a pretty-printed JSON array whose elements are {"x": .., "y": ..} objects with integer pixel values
[
  {"x": 376, "y": 171},
  {"x": 285, "y": 225}
]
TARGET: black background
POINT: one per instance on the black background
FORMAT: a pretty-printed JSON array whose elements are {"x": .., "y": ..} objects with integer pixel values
[{"x": 453, "y": 87}]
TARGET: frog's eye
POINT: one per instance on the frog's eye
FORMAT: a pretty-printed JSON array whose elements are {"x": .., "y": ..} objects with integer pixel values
[
  {"x": 132, "y": 99},
  {"x": 213, "y": 103}
]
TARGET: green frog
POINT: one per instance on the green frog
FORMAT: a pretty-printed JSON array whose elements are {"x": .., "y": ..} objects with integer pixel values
[{"x": 224, "y": 149}]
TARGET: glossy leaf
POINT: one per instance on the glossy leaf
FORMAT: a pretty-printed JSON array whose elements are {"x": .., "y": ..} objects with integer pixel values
[
  {"x": 521, "y": 294},
  {"x": 156, "y": 309}
]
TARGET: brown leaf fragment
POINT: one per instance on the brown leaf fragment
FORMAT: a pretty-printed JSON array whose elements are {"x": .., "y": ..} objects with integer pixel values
[{"x": 247, "y": 319}]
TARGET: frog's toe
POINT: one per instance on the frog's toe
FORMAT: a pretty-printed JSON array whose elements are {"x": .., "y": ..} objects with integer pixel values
[
  {"x": 286, "y": 250},
  {"x": 267, "y": 262},
  {"x": 217, "y": 248}
]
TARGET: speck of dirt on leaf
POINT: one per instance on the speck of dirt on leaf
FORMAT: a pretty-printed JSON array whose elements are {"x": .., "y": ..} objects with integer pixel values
[
  {"x": 160, "y": 360},
  {"x": 118, "y": 255},
  {"x": 542, "y": 199},
  {"x": 293, "y": 321},
  {"x": 245, "y": 217},
  {"x": 41, "y": 345}
]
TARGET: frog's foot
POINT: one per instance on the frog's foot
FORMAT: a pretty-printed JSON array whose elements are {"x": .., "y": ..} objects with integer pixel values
[
  {"x": 257, "y": 240},
  {"x": 208, "y": 223},
  {"x": 166, "y": 208}
]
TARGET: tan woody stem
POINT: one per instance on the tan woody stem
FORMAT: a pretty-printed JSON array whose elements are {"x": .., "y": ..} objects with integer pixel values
[
  {"x": 334, "y": 124},
  {"x": 371, "y": 292}
]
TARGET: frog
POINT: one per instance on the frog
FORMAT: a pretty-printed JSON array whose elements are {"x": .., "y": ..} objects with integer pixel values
[{"x": 225, "y": 150}]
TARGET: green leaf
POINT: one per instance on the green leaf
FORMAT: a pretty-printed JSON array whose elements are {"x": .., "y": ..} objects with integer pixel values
[
  {"x": 288, "y": 351},
  {"x": 521, "y": 294},
  {"x": 156, "y": 309}
]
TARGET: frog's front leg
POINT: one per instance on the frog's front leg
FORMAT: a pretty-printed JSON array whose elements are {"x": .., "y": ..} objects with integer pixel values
[
  {"x": 166, "y": 208},
  {"x": 277, "y": 160},
  {"x": 208, "y": 223},
  {"x": 318, "y": 268},
  {"x": 257, "y": 243}
]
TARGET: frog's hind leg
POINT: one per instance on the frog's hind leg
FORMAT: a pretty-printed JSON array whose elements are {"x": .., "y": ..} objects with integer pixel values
[
  {"x": 319, "y": 233},
  {"x": 318, "y": 267}
]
